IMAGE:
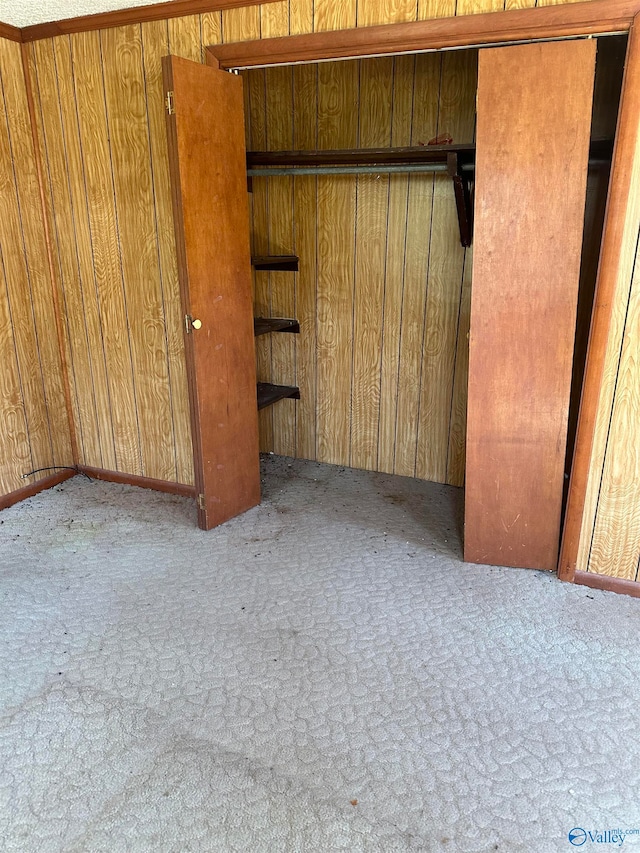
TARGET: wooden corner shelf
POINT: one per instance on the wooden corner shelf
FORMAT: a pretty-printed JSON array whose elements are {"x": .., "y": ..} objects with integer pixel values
[
  {"x": 269, "y": 394},
  {"x": 263, "y": 325},
  {"x": 275, "y": 263}
]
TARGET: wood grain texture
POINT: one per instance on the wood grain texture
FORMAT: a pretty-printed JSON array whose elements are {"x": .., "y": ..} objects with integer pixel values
[
  {"x": 305, "y": 219},
  {"x": 279, "y": 118},
  {"x": 127, "y": 17},
  {"x": 47, "y": 305},
  {"x": 59, "y": 215},
  {"x": 256, "y": 87},
  {"x": 107, "y": 262},
  {"x": 386, "y": 12},
  {"x": 337, "y": 128},
  {"x": 54, "y": 72},
  {"x": 208, "y": 162},
  {"x": 155, "y": 43},
  {"x": 615, "y": 548},
  {"x": 419, "y": 219},
  {"x": 403, "y": 89},
  {"x": 33, "y": 427},
  {"x": 184, "y": 37},
  {"x": 329, "y": 15},
  {"x": 487, "y": 27},
  {"x": 524, "y": 296},
  {"x": 134, "y": 205},
  {"x": 20, "y": 283},
  {"x": 373, "y": 370},
  {"x": 610, "y": 308},
  {"x": 376, "y": 104},
  {"x": 456, "y": 117}
]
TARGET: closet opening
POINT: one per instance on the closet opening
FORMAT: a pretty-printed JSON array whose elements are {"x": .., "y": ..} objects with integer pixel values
[{"x": 379, "y": 279}]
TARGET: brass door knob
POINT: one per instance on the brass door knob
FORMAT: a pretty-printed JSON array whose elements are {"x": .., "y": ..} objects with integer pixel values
[{"x": 197, "y": 324}]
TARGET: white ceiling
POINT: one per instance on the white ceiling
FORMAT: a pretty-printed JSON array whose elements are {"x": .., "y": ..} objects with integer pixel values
[{"x": 22, "y": 13}]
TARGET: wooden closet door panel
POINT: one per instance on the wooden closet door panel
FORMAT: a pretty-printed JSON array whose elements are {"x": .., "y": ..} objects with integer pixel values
[
  {"x": 209, "y": 187},
  {"x": 533, "y": 127}
]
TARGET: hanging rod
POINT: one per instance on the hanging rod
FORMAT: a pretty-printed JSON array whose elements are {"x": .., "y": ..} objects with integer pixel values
[{"x": 381, "y": 169}]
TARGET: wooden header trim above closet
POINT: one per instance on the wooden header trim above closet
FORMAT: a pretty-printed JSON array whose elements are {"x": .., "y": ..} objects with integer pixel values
[
  {"x": 137, "y": 15},
  {"x": 574, "y": 19},
  {"x": 9, "y": 32}
]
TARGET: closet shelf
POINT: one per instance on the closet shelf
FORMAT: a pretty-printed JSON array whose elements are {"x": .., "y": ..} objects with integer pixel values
[
  {"x": 456, "y": 160},
  {"x": 415, "y": 155},
  {"x": 263, "y": 325},
  {"x": 275, "y": 263},
  {"x": 269, "y": 394}
]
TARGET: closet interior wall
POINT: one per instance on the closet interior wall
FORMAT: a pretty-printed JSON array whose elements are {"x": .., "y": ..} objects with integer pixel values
[
  {"x": 34, "y": 428},
  {"x": 383, "y": 289}
]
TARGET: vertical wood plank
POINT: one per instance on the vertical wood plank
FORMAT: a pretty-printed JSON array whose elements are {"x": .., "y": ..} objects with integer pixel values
[
  {"x": 211, "y": 28},
  {"x": 31, "y": 189},
  {"x": 615, "y": 549},
  {"x": 15, "y": 456},
  {"x": 156, "y": 45},
  {"x": 83, "y": 292},
  {"x": 98, "y": 175},
  {"x": 301, "y": 17},
  {"x": 428, "y": 9},
  {"x": 255, "y": 82},
  {"x": 62, "y": 228},
  {"x": 607, "y": 324},
  {"x": 337, "y": 128},
  {"x": 456, "y": 117},
  {"x": 419, "y": 218},
  {"x": 134, "y": 204},
  {"x": 184, "y": 37},
  {"x": 524, "y": 295},
  {"x": 329, "y": 15},
  {"x": 21, "y": 281},
  {"x": 403, "y": 86},
  {"x": 274, "y": 19},
  {"x": 376, "y": 95},
  {"x": 241, "y": 24},
  {"x": 386, "y": 12},
  {"x": 305, "y": 112},
  {"x": 458, "y": 424},
  {"x": 279, "y": 89}
]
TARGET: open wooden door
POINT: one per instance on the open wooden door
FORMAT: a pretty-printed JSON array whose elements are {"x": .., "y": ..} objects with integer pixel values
[
  {"x": 532, "y": 150},
  {"x": 205, "y": 122}
]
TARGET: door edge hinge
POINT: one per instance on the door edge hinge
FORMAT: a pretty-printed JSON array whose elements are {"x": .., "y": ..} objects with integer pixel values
[
  {"x": 168, "y": 102},
  {"x": 201, "y": 502}
]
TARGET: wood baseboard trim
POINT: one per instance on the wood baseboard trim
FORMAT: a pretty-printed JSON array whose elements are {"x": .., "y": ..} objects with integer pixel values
[
  {"x": 181, "y": 489},
  {"x": 136, "y": 15},
  {"x": 7, "y": 31},
  {"x": 41, "y": 486},
  {"x": 619, "y": 585}
]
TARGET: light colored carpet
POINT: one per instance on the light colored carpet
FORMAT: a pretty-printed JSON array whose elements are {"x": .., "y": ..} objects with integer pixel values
[{"x": 321, "y": 674}]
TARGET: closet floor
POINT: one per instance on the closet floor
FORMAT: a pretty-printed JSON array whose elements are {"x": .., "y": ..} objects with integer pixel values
[{"x": 322, "y": 673}]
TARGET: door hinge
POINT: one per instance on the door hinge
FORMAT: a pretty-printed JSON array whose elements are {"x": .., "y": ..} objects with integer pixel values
[
  {"x": 168, "y": 102},
  {"x": 201, "y": 502}
]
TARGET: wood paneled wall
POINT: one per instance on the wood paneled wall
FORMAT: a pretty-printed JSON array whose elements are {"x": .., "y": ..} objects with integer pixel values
[
  {"x": 610, "y": 536},
  {"x": 382, "y": 294},
  {"x": 98, "y": 99},
  {"x": 34, "y": 428}
]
